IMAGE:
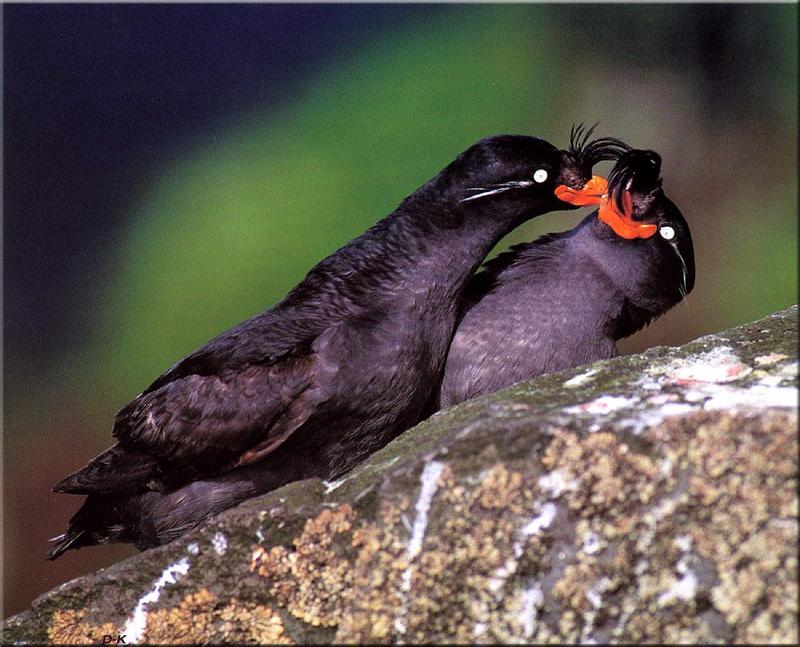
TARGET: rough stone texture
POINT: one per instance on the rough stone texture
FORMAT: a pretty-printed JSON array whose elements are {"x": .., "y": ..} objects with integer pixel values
[{"x": 647, "y": 498}]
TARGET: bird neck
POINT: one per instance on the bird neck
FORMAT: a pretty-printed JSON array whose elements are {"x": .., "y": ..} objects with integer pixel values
[
  {"x": 443, "y": 243},
  {"x": 423, "y": 252},
  {"x": 640, "y": 291},
  {"x": 581, "y": 278},
  {"x": 558, "y": 282}
]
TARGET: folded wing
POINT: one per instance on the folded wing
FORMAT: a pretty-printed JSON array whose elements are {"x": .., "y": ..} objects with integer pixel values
[{"x": 197, "y": 425}]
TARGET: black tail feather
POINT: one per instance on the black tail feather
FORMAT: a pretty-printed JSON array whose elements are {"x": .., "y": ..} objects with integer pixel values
[
  {"x": 98, "y": 521},
  {"x": 115, "y": 470},
  {"x": 74, "y": 538}
]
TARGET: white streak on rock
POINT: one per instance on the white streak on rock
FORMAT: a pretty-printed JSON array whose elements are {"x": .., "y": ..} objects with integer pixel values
[
  {"x": 683, "y": 589},
  {"x": 136, "y": 625},
  {"x": 499, "y": 577},
  {"x": 595, "y": 592},
  {"x": 479, "y": 629},
  {"x": 696, "y": 396},
  {"x": 603, "y": 404},
  {"x": 591, "y": 544},
  {"x": 662, "y": 398},
  {"x": 541, "y": 521},
  {"x": 757, "y": 396},
  {"x": 670, "y": 409},
  {"x": 555, "y": 483},
  {"x": 220, "y": 544},
  {"x": 683, "y": 543},
  {"x": 532, "y": 599},
  {"x": 649, "y": 385},
  {"x": 429, "y": 482},
  {"x": 716, "y": 366},
  {"x": 330, "y": 486},
  {"x": 533, "y": 527},
  {"x": 787, "y": 524},
  {"x": 595, "y": 596},
  {"x": 651, "y": 417},
  {"x": 193, "y": 548},
  {"x": 581, "y": 379}
]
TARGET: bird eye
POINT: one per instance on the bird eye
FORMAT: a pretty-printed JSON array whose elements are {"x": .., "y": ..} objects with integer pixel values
[
  {"x": 667, "y": 232},
  {"x": 540, "y": 175}
]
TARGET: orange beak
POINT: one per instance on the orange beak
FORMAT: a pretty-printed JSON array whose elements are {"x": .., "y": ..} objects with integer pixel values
[
  {"x": 591, "y": 193},
  {"x": 622, "y": 222}
]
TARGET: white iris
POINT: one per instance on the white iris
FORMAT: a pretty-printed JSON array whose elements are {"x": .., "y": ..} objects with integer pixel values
[
  {"x": 667, "y": 232},
  {"x": 540, "y": 175}
]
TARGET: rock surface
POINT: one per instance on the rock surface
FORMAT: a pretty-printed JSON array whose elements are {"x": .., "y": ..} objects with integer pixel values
[{"x": 647, "y": 498}]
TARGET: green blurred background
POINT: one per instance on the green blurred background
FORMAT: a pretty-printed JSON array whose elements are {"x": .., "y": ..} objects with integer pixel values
[{"x": 224, "y": 218}]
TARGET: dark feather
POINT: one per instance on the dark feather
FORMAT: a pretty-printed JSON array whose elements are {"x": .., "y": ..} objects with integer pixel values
[
  {"x": 587, "y": 153},
  {"x": 70, "y": 539},
  {"x": 638, "y": 171},
  {"x": 116, "y": 469},
  {"x": 483, "y": 281}
]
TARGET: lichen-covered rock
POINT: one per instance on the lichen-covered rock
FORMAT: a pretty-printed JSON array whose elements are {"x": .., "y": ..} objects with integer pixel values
[{"x": 647, "y": 498}]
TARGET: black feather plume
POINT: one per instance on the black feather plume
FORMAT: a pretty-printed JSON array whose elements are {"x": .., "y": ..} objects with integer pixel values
[
  {"x": 588, "y": 152},
  {"x": 638, "y": 171}
]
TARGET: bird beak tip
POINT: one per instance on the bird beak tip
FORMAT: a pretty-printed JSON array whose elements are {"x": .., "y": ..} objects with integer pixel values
[{"x": 592, "y": 192}]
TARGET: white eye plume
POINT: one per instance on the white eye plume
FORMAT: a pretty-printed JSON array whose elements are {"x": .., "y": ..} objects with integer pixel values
[
  {"x": 667, "y": 232},
  {"x": 494, "y": 189},
  {"x": 540, "y": 175}
]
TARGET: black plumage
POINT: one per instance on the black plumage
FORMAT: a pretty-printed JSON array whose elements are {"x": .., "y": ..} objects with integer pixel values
[
  {"x": 565, "y": 299},
  {"x": 348, "y": 360}
]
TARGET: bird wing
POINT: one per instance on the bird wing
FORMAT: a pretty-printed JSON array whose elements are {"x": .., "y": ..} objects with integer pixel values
[
  {"x": 230, "y": 403},
  {"x": 263, "y": 339},
  {"x": 312, "y": 308},
  {"x": 212, "y": 419},
  {"x": 198, "y": 425}
]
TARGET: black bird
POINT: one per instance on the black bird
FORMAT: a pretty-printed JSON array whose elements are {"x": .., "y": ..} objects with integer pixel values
[
  {"x": 565, "y": 299},
  {"x": 347, "y": 361}
]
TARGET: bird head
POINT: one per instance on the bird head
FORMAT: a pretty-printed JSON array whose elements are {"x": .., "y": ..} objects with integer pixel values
[
  {"x": 650, "y": 234},
  {"x": 531, "y": 175}
]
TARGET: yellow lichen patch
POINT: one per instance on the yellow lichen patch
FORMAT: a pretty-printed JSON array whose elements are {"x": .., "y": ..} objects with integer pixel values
[
  {"x": 734, "y": 520},
  {"x": 671, "y": 541},
  {"x": 311, "y": 580},
  {"x": 746, "y": 474},
  {"x": 499, "y": 487},
  {"x": 573, "y": 589},
  {"x": 68, "y": 628},
  {"x": 379, "y": 567},
  {"x": 463, "y": 584},
  {"x": 201, "y": 618},
  {"x": 610, "y": 477},
  {"x": 251, "y": 622},
  {"x": 189, "y": 622},
  {"x": 687, "y": 628},
  {"x": 732, "y": 512}
]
